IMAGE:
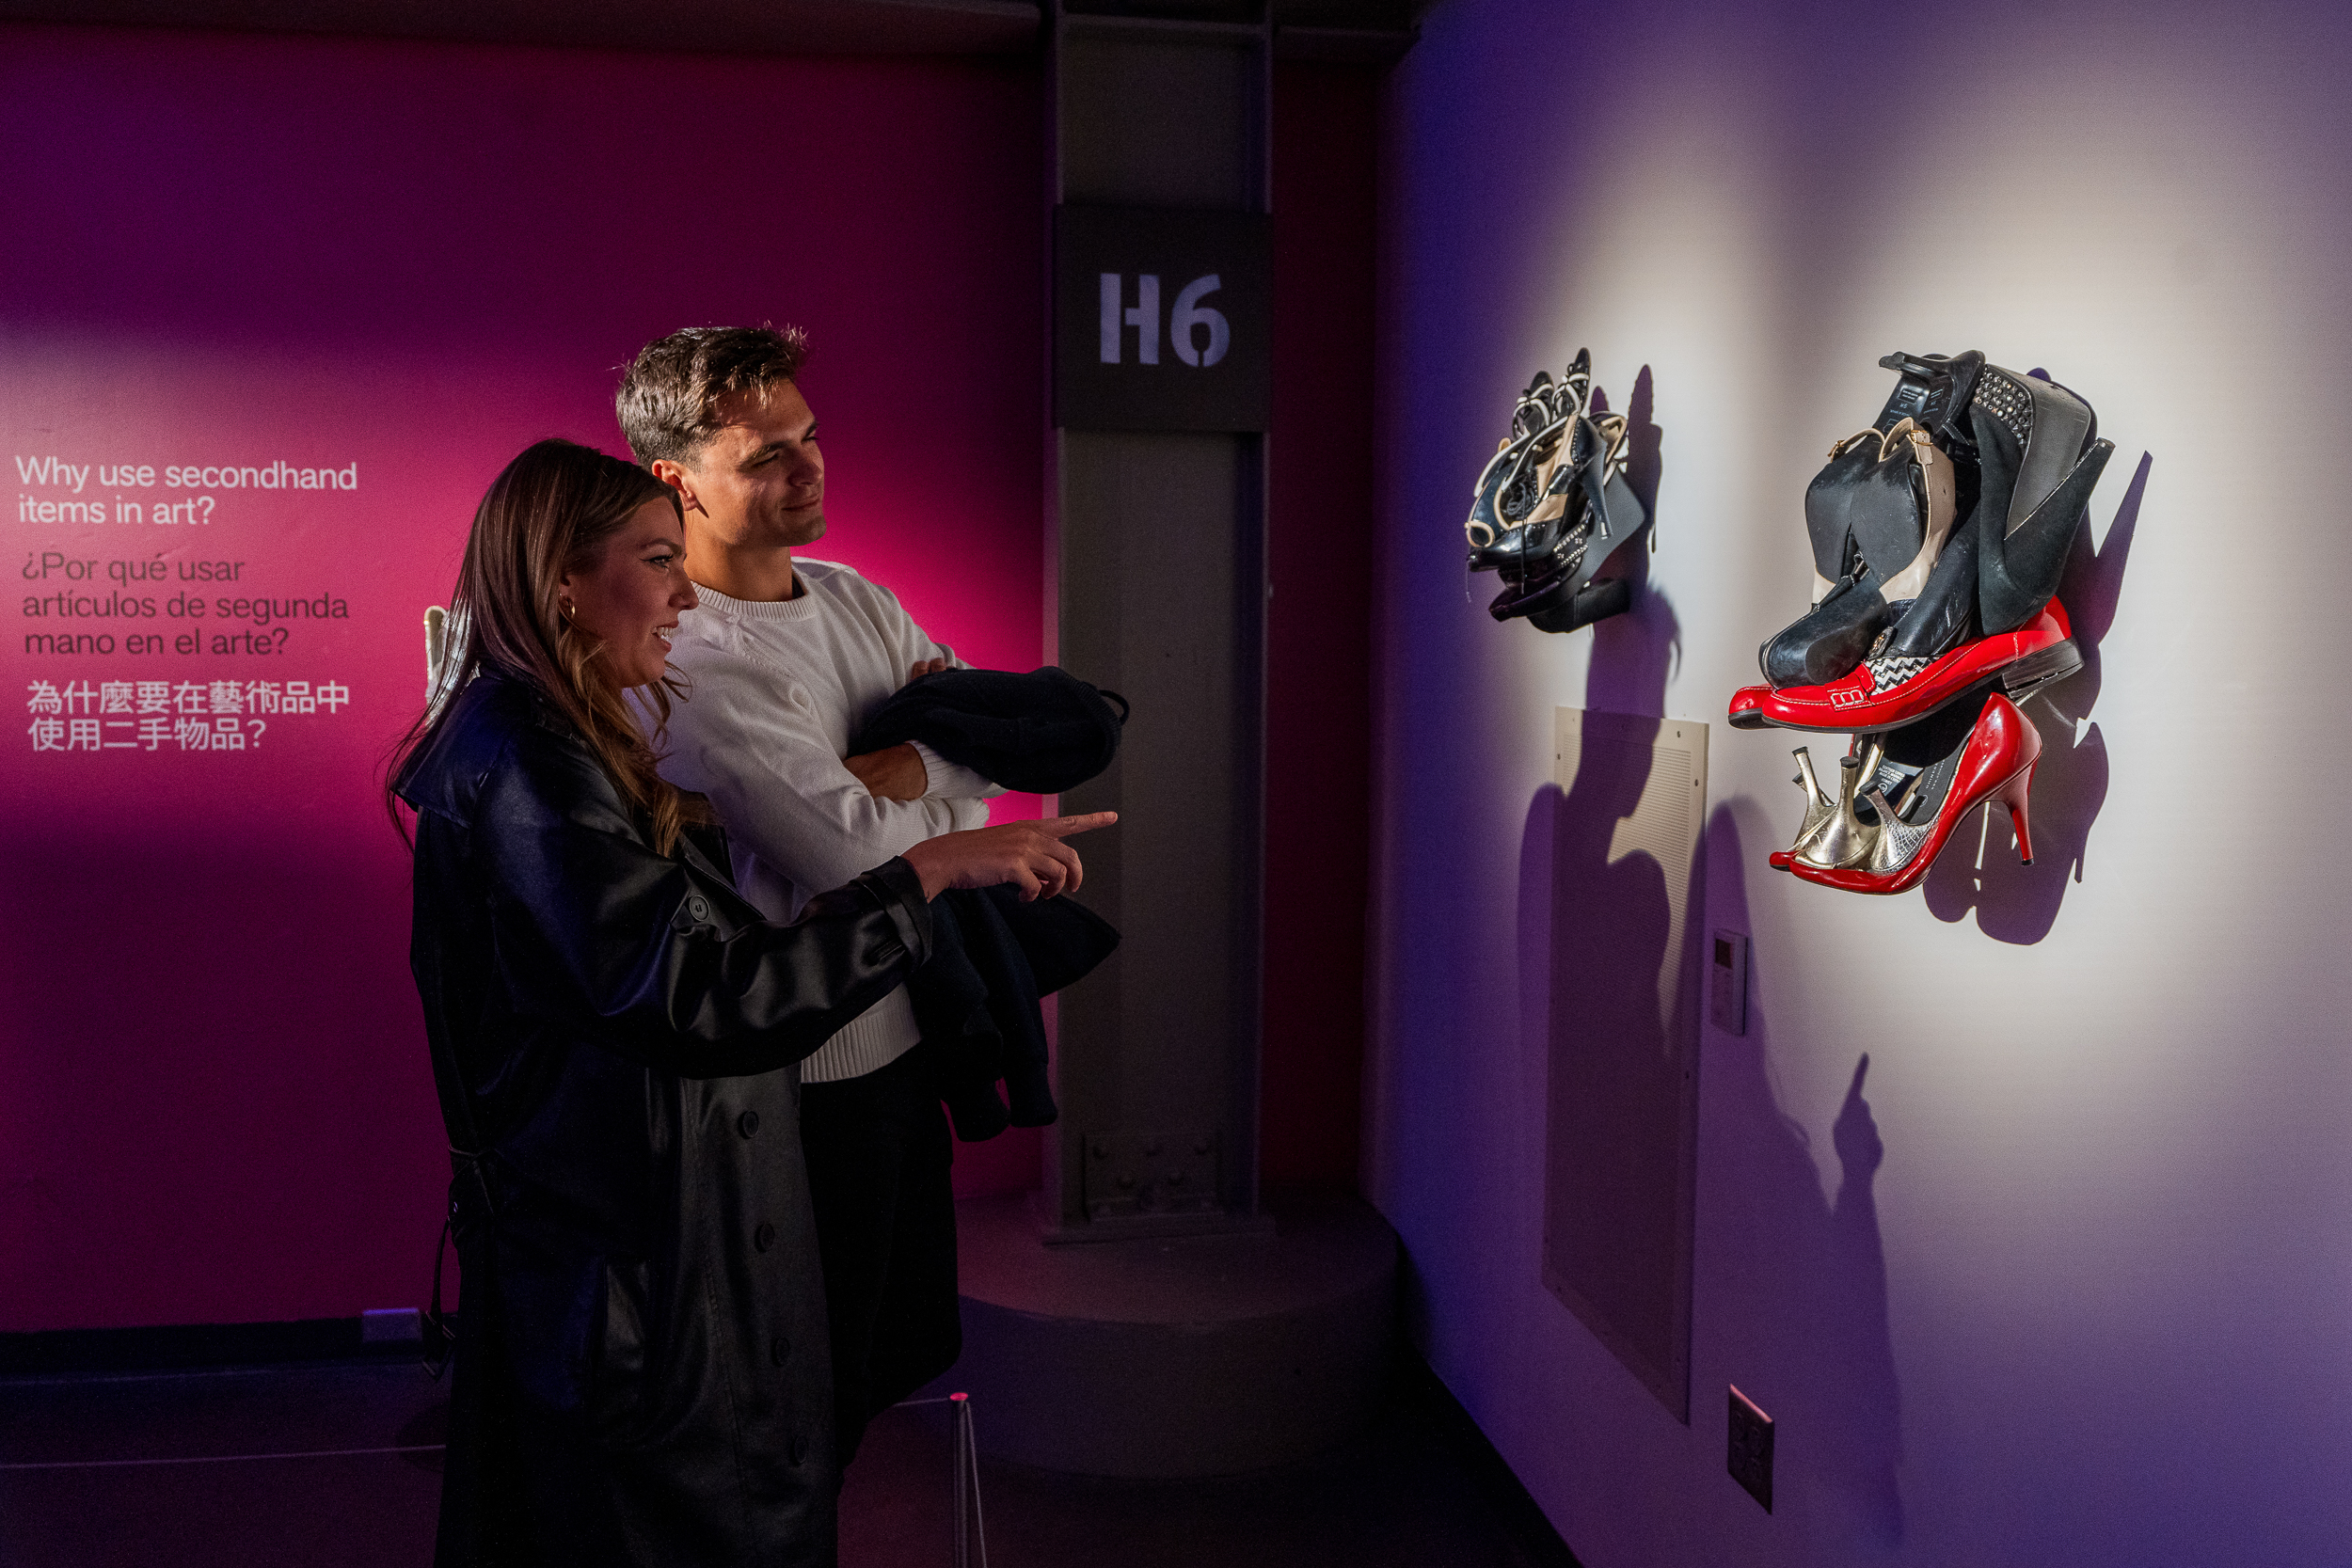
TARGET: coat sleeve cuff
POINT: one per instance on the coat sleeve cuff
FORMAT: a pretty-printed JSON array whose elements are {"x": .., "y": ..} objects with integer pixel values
[{"x": 895, "y": 886}]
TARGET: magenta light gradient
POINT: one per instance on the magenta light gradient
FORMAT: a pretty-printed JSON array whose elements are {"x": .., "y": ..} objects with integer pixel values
[{"x": 214, "y": 1102}]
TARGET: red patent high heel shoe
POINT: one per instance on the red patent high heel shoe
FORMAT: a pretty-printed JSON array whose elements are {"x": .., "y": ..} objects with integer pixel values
[{"x": 1992, "y": 764}]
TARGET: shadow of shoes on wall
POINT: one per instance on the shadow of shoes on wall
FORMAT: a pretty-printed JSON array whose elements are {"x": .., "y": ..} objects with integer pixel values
[
  {"x": 1797, "y": 1243},
  {"x": 1634, "y": 653},
  {"x": 1979, "y": 870}
]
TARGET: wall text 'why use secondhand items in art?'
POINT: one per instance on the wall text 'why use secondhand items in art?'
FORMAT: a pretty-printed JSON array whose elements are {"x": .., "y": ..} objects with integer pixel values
[{"x": 86, "y": 595}]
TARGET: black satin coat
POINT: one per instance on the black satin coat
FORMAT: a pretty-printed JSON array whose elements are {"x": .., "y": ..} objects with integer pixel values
[{"x": 642, "y": 1372}]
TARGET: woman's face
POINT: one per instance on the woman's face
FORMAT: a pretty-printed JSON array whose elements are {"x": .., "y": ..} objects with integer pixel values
[{"x": 629, "y": 597}]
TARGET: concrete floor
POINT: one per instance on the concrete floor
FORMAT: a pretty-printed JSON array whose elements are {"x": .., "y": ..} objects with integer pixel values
[{"x": 337, "y": 1465}]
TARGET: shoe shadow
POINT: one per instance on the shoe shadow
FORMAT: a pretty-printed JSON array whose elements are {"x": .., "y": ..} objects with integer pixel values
[
  {"x": 1614, "y": 1009},
  {"x": 1645, "y": 461},
  {"x": 1634, "y": 653},
  {"x": 1979, "y": 870},
  {"x": 1644, "y": 443},
  {"x": 1812, "y": 1342}
]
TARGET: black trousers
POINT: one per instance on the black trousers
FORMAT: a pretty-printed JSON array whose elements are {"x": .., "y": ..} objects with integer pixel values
[{"x": 877, "y": 1161}]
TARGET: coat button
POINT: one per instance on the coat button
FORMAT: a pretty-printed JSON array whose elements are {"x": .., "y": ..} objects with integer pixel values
[
  {"x": 765, "y": 1237},
  {"x": 698, "y": 907},
  {"x": 748, "y": 1123},
  {"x": 779, "y": 1351},
  {"x": 799, "y": 1449}
]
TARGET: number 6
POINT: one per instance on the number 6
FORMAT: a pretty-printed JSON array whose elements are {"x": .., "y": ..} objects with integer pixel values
[{"x": 1188, "y": 313}]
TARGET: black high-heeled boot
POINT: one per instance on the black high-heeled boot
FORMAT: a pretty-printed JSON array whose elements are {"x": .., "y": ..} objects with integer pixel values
[
  {"x": 2003, "y": 562},
  {"x": 2038, "y": 456}
]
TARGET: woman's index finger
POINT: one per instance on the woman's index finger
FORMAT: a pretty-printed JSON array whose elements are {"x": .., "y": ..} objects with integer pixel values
[{"x": 1063, "y": 827}]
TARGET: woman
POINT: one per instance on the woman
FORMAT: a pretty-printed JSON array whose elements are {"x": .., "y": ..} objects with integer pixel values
[{"x": 642, "y": 1372}]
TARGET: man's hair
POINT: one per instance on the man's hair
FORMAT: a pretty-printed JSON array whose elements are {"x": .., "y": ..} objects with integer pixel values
[{"x": 669, "y": 394}]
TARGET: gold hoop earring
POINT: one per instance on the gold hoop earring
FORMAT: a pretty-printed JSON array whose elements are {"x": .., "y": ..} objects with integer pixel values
[{"x": 563, "y": 608}]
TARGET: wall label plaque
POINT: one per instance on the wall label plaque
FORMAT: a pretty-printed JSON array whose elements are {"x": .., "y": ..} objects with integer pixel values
[{"x": 1162, "y": 319}]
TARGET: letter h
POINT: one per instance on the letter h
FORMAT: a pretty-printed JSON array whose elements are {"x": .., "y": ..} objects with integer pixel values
[{"x": 1144, "y": 317}]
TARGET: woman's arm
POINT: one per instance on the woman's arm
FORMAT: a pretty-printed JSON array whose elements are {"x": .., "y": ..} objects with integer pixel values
[{"x": 655, "y": 959}]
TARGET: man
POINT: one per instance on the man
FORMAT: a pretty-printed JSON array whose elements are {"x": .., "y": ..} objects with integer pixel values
[{"x": 786, "y": 656}]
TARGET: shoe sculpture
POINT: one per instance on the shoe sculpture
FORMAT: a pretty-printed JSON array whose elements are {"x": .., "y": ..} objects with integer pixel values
[
  {"x": 2017, "y": 456},
  {"x": 1900, "y": 799},
  {"x": 1552, "y": 507},
  {"x": 1938, "y": 537}
]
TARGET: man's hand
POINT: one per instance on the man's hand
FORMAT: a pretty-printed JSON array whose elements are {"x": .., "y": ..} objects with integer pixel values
[
  {"x": 1028, "y": 855},
  {"x": 894, "y": 773}
]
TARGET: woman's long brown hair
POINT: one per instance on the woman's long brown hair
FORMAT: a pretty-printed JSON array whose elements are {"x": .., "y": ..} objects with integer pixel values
[{"x": 551, "y": 512}]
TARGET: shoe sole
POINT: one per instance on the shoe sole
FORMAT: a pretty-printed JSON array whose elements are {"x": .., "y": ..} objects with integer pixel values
[{"x": 2032, "y": 672}]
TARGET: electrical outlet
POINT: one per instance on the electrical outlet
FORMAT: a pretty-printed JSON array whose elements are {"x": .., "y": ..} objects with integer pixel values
[{"x": 1751, "y": 1456}]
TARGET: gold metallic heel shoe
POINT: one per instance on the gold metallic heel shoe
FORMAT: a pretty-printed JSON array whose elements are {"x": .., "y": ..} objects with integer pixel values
[
  {"x": 1819, "y": 809},
  {"x": 1896, "y": 841},
  {"x": 1844, "y": 839}
]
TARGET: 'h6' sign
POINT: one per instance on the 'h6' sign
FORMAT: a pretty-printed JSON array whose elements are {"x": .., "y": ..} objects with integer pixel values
[
  {"x": 1187, "y": 316},
  {"x": 1161, "y": 319}
]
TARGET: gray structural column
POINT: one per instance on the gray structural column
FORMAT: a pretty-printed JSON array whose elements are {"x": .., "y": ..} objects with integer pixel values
[
  {"x": 1159, "y": 541},
  {"x": 1254, "y": 1344}
]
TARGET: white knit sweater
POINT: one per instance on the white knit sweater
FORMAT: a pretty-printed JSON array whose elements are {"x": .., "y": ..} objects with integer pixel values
[{"x": 777, "y": 689}]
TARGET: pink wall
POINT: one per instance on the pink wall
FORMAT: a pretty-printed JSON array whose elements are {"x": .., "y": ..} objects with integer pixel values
[{"x": 215, "y": 1103}]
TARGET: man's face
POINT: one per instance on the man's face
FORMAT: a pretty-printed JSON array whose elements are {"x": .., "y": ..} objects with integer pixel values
[{"x": 760, "y": 479}]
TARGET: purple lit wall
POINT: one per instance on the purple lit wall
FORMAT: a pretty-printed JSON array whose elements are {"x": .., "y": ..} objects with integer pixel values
[
  {"x": 408, "y": 261},
  {"x": 2062, "y": 1277}
]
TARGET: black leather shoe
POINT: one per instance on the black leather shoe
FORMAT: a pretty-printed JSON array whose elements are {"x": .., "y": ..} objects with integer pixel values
[
  {"x": 1536, "y": 415},
  {"x": 1553, "y": 506},
  {"x": 1879, "y": 514}
]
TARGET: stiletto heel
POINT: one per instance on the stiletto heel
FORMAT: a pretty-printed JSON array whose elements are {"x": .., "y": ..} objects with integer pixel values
[
  {"x": 1879, "y": 522},
  {"x": 2013, "y": 795},
  {"x": 1988, "y": 761}
]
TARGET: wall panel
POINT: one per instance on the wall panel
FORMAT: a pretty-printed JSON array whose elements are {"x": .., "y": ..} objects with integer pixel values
[{"x": 2022, "y": 1203}]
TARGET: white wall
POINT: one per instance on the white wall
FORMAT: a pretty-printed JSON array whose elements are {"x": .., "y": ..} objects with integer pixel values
[{"x": 2092, "y": 1307}]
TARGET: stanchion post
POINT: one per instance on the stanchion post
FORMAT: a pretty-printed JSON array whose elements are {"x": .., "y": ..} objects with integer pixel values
[{"x": 971, "y": 1528}]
